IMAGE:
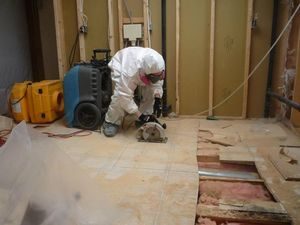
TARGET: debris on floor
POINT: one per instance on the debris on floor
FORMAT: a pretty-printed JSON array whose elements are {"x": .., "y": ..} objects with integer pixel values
[{"x": 286, "y": 160}]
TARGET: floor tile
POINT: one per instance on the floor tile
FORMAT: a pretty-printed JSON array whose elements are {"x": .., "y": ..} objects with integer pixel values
[
  {"x": 181, "y": 204},
  {"x": 181, "y": 183},
  {"x": 130, "y": 180},
  {"x": 183, "y": 162},
  {"x": 152, "y": 183},
  {"x": 144, "y": 158}
]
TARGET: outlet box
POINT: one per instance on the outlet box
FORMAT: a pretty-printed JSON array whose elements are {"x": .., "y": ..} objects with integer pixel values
[{"x": 132, "y": 31}]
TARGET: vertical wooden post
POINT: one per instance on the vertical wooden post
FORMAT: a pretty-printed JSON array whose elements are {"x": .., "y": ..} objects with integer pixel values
[
  {"x": 146, "y": 24},
  {"x": 81, "y": 35},
  {"x": 211, "y": 57},
  {"x": 281, "y": 49},
  {"x": 111, "y": 33},
  {"x": 177, "y": 54},
  {"x": 295, "y": 115},
  {"x": 120, "y": 15},
  {"x": 247, "y": 57},
  {"x": 60, "y": 38}
]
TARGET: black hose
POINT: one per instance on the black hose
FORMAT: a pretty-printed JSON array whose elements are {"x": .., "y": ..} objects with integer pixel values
[
  {"x": 272, "y": 54},
  {"x": 73, "y": 51},
  {"x": 165, "y": 108}
]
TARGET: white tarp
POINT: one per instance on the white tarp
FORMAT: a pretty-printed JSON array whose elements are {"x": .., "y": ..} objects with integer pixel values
[{"x": 41, "y": 185}]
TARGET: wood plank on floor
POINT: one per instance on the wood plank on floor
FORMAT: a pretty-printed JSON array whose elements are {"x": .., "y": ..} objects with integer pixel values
[
  {"x": 253, "y": 206},
  {"x": 287, "y": 162},
  {"x": 259, "y": 212},
  {"x": 239, "y": 155},
  {"x": 226, "y": 179},
  {"x": 221, "y": 141},
  {"x": 210, "y": 155}
]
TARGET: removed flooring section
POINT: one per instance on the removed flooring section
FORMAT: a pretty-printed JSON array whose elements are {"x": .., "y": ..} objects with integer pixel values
[{"x": 256, "y": 139}]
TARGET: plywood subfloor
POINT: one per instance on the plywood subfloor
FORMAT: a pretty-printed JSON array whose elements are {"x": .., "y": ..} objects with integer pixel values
[
  {"x": 156, "y": 184},
  {"x": 287, "y": 161}
]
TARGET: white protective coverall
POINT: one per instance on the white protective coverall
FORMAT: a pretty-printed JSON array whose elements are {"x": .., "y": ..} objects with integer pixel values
[{"x": 128, "y": 66}]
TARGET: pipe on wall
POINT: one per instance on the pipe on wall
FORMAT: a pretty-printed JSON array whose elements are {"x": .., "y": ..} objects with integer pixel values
[
  {"x": 272, "y": 55},
  {"x": 165, "y": 108},
  {"x": 286, "y": 101}
]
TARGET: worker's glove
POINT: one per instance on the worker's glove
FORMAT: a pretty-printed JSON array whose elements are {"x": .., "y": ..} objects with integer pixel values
[
  {"x": 157, "y": 107},
  {"x": 146, "y": 118}
]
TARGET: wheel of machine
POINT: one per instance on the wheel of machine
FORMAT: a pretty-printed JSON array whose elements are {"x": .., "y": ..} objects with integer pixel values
[{"x": 87, "y": 116}]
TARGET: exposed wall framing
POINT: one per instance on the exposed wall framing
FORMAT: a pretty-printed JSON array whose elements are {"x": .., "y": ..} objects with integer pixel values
[
  {"x": 111, "y": 24},
  {"x": 177, "y": 54},
  {"x": 285, "y": 80},
  {"x": 60, "y": 38},
  {"x": 134, "y": 20},
  {"x": 147, "y": 42},
  {"x": 247, "y": 57},
  {"x": 211, "y": 56},
  {"x": 261, "y": 40},
  {"x": 193, "y": 66},
  {"x": 284, "y": 13},
  {"x": 295, "y": 115},
  {"x": 120, "y": 15},
  {"x": 80, "y": 15}
]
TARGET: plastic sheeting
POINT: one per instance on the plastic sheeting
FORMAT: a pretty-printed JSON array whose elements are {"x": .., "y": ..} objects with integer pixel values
[{"x": 41, "y": 185}]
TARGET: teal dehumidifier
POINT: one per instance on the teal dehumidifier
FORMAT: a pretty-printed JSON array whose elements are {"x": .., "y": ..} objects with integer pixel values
[{"x": 87, "y": 92}]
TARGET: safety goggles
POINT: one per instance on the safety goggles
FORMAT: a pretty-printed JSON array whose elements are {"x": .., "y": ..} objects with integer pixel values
[{"x": 154, "y": 78}]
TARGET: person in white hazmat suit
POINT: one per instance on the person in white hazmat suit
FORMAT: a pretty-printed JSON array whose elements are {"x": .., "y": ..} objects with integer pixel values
[{"x": 132, "y": 67}]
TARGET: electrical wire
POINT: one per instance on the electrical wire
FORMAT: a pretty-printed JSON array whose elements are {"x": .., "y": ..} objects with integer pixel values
[
  {"x": 257, "y": 66},
  {"x": 80, "y": 133},
  {"x": 73, "y": 51}
]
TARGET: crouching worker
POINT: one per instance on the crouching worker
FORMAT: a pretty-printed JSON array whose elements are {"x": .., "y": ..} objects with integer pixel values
[{"x": 132, "y": 67}]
